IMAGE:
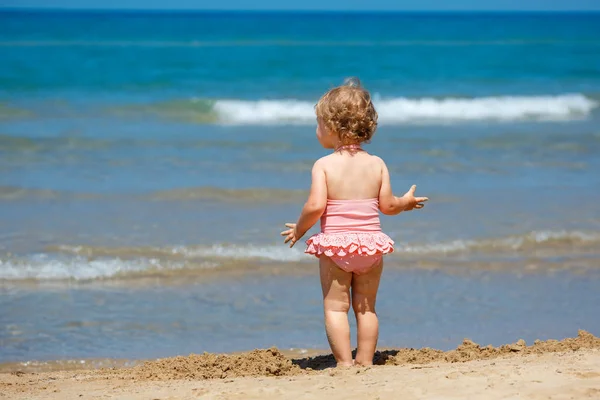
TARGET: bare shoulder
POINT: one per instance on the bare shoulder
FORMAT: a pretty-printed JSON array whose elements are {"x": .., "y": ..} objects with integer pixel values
[
  {"x": 377, "y": 160},
  {"x": 322, "y": 163}
]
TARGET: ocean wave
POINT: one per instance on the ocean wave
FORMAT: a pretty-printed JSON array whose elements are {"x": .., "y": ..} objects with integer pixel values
[
  {"x": 532, "y": 241},
  {"x": 85, "y": 263},
  {"x": 50, "y": 267},
  {"x": 80, "y": 263},
  {"x": 250, "y": 195},
  {"x": 18, "y": 193},
  {"x": 391, "y": 110},
  {"x": 208, "y": 193},
  {"x": 31, "y": 145},
  {"x": 10, "y": 112},
  {"x": 213, "y": 252}
]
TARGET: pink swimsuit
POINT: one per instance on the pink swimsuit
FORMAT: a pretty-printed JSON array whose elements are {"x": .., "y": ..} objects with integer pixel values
[{"x": 351, "y": 235}]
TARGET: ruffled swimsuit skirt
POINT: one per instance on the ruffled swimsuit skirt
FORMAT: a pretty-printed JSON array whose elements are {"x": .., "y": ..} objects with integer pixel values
[{"x": 351, "y": 235}]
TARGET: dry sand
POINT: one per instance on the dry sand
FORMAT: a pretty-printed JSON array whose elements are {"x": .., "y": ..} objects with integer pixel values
[{"x": 567, "y": 369}]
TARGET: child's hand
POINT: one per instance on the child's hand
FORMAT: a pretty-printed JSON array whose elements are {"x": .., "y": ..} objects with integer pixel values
[
  {"x": 290, "y": 234},
  {"x": 413, "y": 202}
]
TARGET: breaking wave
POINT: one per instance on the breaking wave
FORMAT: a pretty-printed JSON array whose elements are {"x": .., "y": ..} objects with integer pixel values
[
  {"x": 91, "y": 262},
  {"x": 391, "y": 111}
]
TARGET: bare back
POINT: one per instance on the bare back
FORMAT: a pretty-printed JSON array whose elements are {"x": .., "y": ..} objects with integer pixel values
[{"x": 352, "y": 176}]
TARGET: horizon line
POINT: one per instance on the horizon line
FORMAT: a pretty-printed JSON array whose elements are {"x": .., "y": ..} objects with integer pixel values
[{"x": 306, "y": 11}]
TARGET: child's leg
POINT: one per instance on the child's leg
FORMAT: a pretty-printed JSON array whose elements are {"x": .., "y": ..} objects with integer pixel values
[
  {"x": 335, "y": 283},
  {"x": 364, "y": 295}
]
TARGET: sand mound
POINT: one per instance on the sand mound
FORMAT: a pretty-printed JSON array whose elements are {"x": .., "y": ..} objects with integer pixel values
[
  {"x": 210, "y": 366},
  {"x": 272, "y": 363},
  {"x": 467, "y": 351},
  {"x": 470, "y": 350}
]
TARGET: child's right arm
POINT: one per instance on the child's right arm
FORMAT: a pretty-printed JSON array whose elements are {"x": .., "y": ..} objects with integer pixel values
[
  {"x": 313, "y": 209},
  {"x": 392, "y": 205}
]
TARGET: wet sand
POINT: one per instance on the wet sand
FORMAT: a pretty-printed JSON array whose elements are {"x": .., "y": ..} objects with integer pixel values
[{"x": 552, "y": 369}]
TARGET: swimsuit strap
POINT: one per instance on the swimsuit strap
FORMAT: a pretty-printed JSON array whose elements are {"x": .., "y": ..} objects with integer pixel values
[{"x": 350, "y": 147}]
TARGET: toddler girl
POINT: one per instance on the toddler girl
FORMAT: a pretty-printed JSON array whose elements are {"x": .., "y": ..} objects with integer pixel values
[{"x": 348, "y": 188}]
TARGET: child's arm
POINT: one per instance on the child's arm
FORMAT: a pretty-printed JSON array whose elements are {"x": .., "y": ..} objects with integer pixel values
[
  {"x": 312, "y": 210},
  {"x": 392, "y": 205}
]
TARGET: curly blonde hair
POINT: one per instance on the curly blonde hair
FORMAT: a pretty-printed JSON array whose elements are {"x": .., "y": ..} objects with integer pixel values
[{"x": 348, "y": 111}]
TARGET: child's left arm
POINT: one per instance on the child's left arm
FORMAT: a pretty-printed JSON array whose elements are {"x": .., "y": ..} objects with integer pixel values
[{"x": 312, "y": 210}]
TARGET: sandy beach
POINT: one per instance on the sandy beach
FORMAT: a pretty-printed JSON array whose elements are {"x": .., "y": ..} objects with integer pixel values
[{"x": 566, "y": 369}]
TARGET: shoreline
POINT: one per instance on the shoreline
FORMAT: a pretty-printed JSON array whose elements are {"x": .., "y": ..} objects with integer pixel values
[
  {"x": 313, "y": 359},
  {"x": 567, "y": 367},
  {"x": 97, "y": 364}
]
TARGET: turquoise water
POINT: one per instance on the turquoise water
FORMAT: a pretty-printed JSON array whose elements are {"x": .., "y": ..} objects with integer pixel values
[
  {"x": 141, "y": 150},
  {"x": 266, "y": 56}
]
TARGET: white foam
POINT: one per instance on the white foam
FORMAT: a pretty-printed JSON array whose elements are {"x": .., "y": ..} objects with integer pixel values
[
  {"x": 423, "y": 110},
  {"x": 226, "y": 251},
  {"x": 264, "y": 111},
  {"x": 73, "y": 265},
  {"x": 45, "y": 267},
  {"x": 273, "y": 253},
  {"x": 514, "y": 243}
]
